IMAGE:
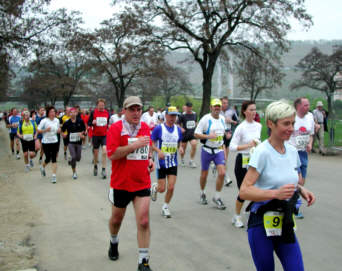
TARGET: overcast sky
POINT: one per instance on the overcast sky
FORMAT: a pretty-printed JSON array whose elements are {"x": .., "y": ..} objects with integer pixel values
[{"x": 326, "y": 16}]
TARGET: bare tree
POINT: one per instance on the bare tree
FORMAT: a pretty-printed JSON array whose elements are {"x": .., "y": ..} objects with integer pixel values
[
  {"x": 259, "y": 72},
  {"x": 22, "y": 22},
  {"x": 122, "y": 51},
  {"x": 203, "y": 28},
  {"x": 318, "y": 72}
]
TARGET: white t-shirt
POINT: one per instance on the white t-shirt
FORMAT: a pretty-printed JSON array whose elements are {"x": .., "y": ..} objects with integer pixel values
[
  {"x": 207, "y": 125},
  {"x": 150, "y": 120},
  {"x": 275, "y": 169},
  {"x": 114, "y": 118},
  {"x": 245, "y": 132},
  {"x": 303, "y": 129},
  {"x": 51, "y": 136},
  {"x": 228, "y": 113}
]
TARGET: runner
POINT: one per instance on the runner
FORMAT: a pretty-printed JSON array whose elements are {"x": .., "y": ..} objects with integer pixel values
[
  {"x": 188, "y": 121},
  {"x": 76, "y": 132},
  {"x": 166, "y": 140},
  {"x": 211, "y": 131},
  {"x": 302, "y": 136},
  {"x": 230, "y": 118},
  {"x": 63, "y": 119},
  {"x": 150, "y": 117},
  {"x": 13, "y": 123},
  {"x": 39, "y": 117},
  {"x": 50, "y": 127},
  {"x": 246, "y": 136},
  {"x": 128, "y": 148},
  {"x": 27, "y": 132},
  {"x": 116, "y": 117},
  {"x": 272, "y": 183},
  {"x": 99, "y": 121}
]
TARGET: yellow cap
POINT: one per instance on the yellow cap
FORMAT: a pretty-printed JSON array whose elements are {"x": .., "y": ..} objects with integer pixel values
[
  {"x": 216, "y": 102},
  {"x": 172, "y": 110}
]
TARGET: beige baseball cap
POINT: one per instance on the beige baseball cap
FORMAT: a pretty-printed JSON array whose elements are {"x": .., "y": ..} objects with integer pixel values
[{"x": 132, "y": 100}]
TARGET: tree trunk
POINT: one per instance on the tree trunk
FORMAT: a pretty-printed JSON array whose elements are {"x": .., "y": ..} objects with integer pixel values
[{"x": 207, "y": 85}]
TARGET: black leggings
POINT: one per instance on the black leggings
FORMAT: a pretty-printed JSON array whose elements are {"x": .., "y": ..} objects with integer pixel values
[
  {"x": 50, "y": 151},
  {"x": 239, "y": 173}
]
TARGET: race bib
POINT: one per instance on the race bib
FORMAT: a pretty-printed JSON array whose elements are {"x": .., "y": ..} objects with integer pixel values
[
  {"x": 219, "y": 137},
  {"x": 15, "y": 124},
  {"x": 28, "y": 137},
  {"x": 138, "y": 154},
  {"x": 191, "y": 124},
  {"x": 245, "y": 160},
  {"x": 50, "y": 139},
  {"x": 169, "y": 148},
  {"x": 101, "y": 121},
  {"x": 273, "y": 223},
  {"x": 74, "y": 137},
  {"x": 302, "y": 141}
]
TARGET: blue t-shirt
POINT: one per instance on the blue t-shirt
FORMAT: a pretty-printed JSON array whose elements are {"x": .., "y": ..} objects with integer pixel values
[
  {"x": 12, "y": 120},
  {"x": 38, "y": 120},
  {"x": 167, "y": 139},
  {"x": 275, "y": 169}
]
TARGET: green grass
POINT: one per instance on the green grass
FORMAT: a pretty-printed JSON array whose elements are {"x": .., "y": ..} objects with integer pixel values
[{"x": 338, "y": 133}]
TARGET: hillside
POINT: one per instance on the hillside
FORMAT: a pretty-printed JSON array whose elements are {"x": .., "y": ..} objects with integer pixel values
[{"x": 298, "y": 50}]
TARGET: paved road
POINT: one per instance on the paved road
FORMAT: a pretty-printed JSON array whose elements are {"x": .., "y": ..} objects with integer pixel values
[{"x": 72, "y": 232}]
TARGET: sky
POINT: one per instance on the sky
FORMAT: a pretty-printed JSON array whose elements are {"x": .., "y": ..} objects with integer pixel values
[{"x": 326, "y": 17}]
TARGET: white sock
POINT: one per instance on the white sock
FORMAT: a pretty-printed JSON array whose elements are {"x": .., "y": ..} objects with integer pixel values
[
  {"x": 114, "y": 239},
  {"x": 165, "y": 206},
  {"x": 27, "y": 165},
  {"x": 217, "y": 195},
  {"x": 202, "y": 191},
  {"x": 53, "y": 175},
  {"x": 143, "y": 254}
]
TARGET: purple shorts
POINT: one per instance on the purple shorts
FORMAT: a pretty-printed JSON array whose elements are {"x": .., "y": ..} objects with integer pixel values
[{"x": 206, "y": 158}]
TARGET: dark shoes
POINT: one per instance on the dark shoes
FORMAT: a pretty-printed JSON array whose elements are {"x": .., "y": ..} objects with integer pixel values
[
  {"x": 144, "y": 266},
  {"x": 113, "y": 252}
]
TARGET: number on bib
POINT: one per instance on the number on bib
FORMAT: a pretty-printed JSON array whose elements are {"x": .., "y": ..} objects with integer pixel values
[
  {"x": 101, "y": 121},
  {"x": 74, "y": 137},
  {"x": 138, "y": 154},
  {"x": 245, "y": 160},
  {"x": 28, "y": 137},
  {"x": 273, "y": 223}
]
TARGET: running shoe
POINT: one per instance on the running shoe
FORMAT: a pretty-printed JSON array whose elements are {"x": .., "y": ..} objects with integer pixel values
[
  {"x": 299, "y": 215},
  {"x": 27, "y": 168},
  {"x": 154, "y": 192},
  {"x": 237, "y": 221},
  {"x": 53, "y": 179},
  {"x": 144, "y": 266},
  {"x": 203, "y": 199},
  {"x": 42, "y": 171},
  {"x": 182, "y": 163},
  {"x": 113, "y": 252},
  {"x": 227, "y": 180},
  {"x": 192, "y": 164},
  {"x": 95, "y": 170},
  {"x": 74, "y": 176},
  {"x": 31, "y": 163},
  {"x": 219, "y": 204},
  {"x": 166, "y": 212},
  {"x": 103, "y": 174},
  {"x": 17, "y": 156}
]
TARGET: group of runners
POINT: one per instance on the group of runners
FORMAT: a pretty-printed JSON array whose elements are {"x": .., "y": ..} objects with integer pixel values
[{"x": 271, "y": 174}]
